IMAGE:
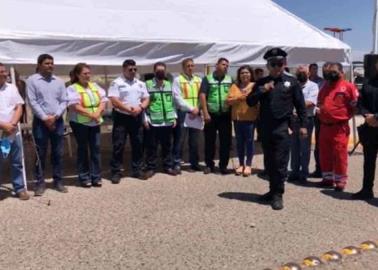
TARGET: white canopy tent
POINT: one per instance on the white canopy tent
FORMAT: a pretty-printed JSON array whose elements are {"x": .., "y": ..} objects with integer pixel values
[{"x": 104, "y": 33}]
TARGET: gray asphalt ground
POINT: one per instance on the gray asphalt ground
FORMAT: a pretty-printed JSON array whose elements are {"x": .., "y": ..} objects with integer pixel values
[{"x": 191, "y": 221}]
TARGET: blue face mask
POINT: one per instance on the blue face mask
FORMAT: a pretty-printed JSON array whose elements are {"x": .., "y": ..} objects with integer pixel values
[{"x": 5, "y": 147}]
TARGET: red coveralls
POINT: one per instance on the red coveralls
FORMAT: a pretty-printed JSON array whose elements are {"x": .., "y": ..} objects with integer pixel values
[{"x": 336, "y": 103}]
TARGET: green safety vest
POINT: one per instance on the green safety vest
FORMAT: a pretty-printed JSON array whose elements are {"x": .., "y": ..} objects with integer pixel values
[
  {"x": 218, "y": 93},
  {"x": 90, "y": 104},
  {"x": 190, "y": 90},
  {"x": 161, "y": 109}
]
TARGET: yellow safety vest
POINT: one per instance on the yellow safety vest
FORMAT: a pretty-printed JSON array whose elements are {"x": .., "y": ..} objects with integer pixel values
[
  {"x": 189, "y": 90},
  {"x": 90, "y": 104}
]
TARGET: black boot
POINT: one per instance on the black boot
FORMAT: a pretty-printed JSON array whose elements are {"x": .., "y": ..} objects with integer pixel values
[{"x": 277, "y": 202}]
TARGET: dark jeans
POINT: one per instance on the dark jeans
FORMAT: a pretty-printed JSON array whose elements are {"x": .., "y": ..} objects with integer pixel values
[
  {"x": 221, "y": 124},
  {"x": 42, "y": 135},
  {"x": 123, "y": 126},
  {"x": 316, "y": 151},
  {"x": 276, "y": 144},
  {"x": 154, "y": 137},
  {"x": 369, "y": 140},
  {"x": 15, "y": 157},
  {"x": 244, "y": 132},
  {"x": 87, "y": 138},
  {"x": 301, "y": 148},
  {"x": 180, "y": 133}
]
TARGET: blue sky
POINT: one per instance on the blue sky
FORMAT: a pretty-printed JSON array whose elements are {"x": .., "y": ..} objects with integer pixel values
[{"x": 355, "y": 14}]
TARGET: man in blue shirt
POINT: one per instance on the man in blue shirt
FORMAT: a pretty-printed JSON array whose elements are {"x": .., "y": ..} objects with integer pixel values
[{"x": 47, "y": 99}]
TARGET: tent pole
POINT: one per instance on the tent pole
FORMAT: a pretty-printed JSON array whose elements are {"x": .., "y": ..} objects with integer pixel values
[{"x": 13, "y": 79}]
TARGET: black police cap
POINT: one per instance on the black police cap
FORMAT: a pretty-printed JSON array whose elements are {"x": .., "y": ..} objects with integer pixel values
[{"x": 275, "y": 53}]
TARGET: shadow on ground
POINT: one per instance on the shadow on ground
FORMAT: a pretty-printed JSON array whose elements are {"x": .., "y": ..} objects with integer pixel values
[{"x": 242, "y": 196}]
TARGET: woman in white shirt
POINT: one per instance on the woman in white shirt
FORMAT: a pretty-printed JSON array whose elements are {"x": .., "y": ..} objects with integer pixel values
[{"x": 86, "y": 101}]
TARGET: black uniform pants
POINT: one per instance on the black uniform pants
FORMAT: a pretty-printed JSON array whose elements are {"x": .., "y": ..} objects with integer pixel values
[
  {"x": 369, "y": 140},
  {"x": 276, "y": 144},
  {"x": 154, "y": 137},
  {"x": 124, "y": 125},
  {"x": 220, "y": 123}
]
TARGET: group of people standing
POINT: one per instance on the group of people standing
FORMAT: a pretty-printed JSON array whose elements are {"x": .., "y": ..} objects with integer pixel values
[{"x": 285, "y": 107}]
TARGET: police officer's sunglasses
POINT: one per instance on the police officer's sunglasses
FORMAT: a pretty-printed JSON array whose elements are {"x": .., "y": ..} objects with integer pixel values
[
  {"x": 132, "y": 69},
  {"x": 276, "y": 64}
]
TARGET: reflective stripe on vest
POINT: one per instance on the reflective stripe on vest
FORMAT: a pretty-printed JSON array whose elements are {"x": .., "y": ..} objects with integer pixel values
[
  {"x": 89, "y": 102},
  {"x": 190, "y": 90},
  {"x": 218, "y": 94},
  {"x": 161, "y": 109}
]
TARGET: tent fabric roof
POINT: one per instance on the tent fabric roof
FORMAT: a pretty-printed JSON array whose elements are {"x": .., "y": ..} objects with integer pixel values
[{"x": 107, "y": 32}]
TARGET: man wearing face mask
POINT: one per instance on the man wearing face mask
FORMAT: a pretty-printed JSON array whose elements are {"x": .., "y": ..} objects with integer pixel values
[
  {"x": 336, "y": 103},
  {"x": 277, "y": 94},
  {"x": 217, "y": 115},
  {"x": 301, "y": 147},
  {"x": 161, "y": 118}
]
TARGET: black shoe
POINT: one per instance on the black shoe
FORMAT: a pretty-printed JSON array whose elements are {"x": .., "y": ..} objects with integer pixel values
[
  {"x": 316, "y": 174},
  {"x": 263, "y": 175},
  {"x": 97, "y": 183},
  {"x": 116, "y": 178},
  {"x": 277, "y": 202},
  {"x": 60, "y": 187},
  {"x": 266, "y": 198},
  {"x": 208, "y": 170},
  {"x": 139, "y": 175},
  {"x": 170, "y": 171},
  {"x": 85, "y": 184},
  {"x": 224, "y": 171},
  {"x": 177, "y": 169},
  {"x": 39, "y": 189},
  {"x": 194, "y": 168},
  {"x": 148, "y": 174},
  {"x": 363, "y": 195}
]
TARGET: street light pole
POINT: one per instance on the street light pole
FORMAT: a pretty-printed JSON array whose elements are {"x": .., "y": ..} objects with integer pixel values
[{"x": 375, "y": 28}]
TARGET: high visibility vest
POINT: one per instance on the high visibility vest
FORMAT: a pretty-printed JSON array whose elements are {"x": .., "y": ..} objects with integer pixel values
[
  {"x": 161, "y": 108},
  {"x": 218, "y": 93},
  {"x": 189, "y": 90},
  {"x": 91, "y": 104}
]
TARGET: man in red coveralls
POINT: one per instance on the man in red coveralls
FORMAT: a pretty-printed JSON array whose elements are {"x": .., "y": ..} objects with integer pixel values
[{"x": 336, "y": 103}]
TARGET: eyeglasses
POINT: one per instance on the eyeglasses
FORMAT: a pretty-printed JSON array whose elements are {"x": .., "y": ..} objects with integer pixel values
[
  {"x": 279, "y": 64},
  {"x": 132, "y": 69}
]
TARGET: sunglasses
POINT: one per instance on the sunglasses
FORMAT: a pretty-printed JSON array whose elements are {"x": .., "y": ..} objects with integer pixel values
[
  {"x": 278, "y": 64},
  {"x": 132, "y": 69}
]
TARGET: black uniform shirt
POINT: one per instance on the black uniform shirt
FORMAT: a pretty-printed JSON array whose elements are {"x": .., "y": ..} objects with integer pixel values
[
  {"x": 278, "y": 104},
  {"x": 368, "y": 100}
]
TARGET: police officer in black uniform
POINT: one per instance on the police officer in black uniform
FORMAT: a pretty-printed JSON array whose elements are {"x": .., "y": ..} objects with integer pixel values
[
  {"x": 368, "y": 134},
  {"x": 277, "y": 94}
]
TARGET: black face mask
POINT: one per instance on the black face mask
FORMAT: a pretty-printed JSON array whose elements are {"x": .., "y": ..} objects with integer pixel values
[
  {"x": 333, "y": 76},
  {"x": 160, "y": 75},
  {"x": 302, "y": 77}
]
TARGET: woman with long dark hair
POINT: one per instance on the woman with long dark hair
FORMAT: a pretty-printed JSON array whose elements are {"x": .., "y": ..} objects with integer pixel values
[
  {"x": 86, "y": 101},
  {"x": 244, "y": 118}
]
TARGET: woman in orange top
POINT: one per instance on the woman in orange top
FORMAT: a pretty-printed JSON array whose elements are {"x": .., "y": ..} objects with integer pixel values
[{"x": 244, "y": 118}]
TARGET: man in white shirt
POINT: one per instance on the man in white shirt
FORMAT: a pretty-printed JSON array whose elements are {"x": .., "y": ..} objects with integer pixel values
[
  {"x": 130, "y": 98},
  {"x": 186, "y": 86},
  {"x": 10, "y": 113},
  {"x": 301, "y": 146}
]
